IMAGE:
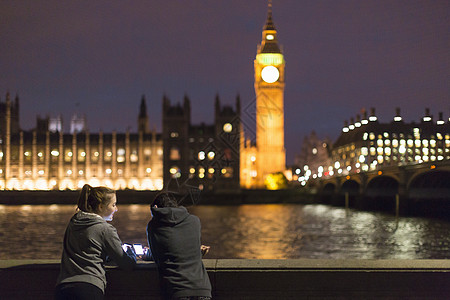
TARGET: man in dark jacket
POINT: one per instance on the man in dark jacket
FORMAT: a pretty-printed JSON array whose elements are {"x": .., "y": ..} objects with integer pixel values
[{"x": 174, "y": 237}]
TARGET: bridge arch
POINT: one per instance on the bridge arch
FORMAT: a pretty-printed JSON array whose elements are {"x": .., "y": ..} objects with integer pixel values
[
  {"x": 380, "y": 193},
  {"x": 433, "y": 184},
  {"x": 429, "y": 193},
  {"x": 329, "y": 188},
  {"x": 382, "y": 186},
  {"x": 351, "y": 187}
]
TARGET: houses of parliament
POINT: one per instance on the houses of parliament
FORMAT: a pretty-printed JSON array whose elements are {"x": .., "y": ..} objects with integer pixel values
[{"x": 215, "y": 156}]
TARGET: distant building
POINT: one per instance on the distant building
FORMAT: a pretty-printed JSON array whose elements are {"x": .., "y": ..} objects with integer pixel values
[
  {"x": 200, "y": 155},
  {"x": 366, "y": 144},
  {"x": 45, "y": 158},
  {"x": 314, "y": 156}
]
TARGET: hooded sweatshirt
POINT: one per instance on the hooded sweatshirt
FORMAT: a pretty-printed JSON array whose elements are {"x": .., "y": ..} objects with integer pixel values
[
  {"x": 87, "y": 242},
  {"x": 174, "y": 238}
]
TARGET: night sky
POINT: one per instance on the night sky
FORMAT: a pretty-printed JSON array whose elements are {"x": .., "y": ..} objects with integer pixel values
[{"x": 99, "y": 57}]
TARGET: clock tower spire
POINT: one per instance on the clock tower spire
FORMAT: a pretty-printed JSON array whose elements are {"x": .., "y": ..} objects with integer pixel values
[{"x": 269, "y": 68}]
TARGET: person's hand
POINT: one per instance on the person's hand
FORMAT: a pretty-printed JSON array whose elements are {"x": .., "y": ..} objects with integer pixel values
[
  {"x": 204, "y": 249},
  {"x": 147, "y": 254},
  {"x": 130, "y": 251}
]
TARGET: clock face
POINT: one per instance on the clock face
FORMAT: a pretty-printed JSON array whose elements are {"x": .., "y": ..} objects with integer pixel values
[
  {"x": 227, "y": 127},
  {"x": 270, "y": 74}
]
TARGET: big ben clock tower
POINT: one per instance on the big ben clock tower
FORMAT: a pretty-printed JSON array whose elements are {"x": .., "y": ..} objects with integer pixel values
[{"x": 269, "y": 89}]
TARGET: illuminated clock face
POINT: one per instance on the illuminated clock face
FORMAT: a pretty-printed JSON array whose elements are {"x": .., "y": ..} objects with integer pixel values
[
  {"x": 270, "y": 74},
  {"x": 227, "y": 127}
]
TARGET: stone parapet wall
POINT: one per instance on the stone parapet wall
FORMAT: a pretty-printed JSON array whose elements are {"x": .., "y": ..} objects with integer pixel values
[{"x": 255, "y": 279}]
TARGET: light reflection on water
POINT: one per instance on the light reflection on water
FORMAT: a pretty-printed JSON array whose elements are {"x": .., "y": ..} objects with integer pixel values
[{"x": 275, "y": 231}]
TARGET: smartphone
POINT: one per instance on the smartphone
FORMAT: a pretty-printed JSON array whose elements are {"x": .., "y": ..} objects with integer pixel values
[
  {"x": 125, "y": 247},
  {"x": 138, "y": 249}
]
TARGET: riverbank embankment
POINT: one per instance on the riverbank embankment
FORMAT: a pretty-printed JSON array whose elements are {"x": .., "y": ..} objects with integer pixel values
[{"x": 255, "y": 279}]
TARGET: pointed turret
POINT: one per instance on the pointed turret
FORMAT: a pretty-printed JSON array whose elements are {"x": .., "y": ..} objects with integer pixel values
[
  {"x": 269, "y": 23},
  {"x": 217, "y": 105},
  {"x": 269, "y": 43},
  {"x": 143, "y": 117}
]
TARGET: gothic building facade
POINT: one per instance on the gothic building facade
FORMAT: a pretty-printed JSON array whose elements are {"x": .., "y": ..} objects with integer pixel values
[
  {"x": 46, "y": 158},
  {"x": 201, "y": 156}
]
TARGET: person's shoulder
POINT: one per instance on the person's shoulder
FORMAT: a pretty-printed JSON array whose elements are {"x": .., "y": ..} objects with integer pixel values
[
  {"x": 106, "y": 228},
  {"x": 193, "y": 218}
]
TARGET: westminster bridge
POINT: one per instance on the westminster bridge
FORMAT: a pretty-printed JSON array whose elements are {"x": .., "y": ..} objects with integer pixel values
[{"x": 406, "y": 189}]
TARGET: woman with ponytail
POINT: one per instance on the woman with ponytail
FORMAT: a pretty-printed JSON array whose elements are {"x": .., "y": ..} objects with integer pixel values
[{"x": 88, "y": 241}]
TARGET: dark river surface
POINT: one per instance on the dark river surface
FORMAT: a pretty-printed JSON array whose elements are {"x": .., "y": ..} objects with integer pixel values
[{"x": 262, "y": 231}]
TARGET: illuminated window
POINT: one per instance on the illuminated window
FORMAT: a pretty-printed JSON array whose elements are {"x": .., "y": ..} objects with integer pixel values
[
  {"x": 395, "y": 143},
  {"x": 95, "y": 155},
  {"x": 433, "y": 143},
  {"x": 192, "y": 170},
  {"x": 417, "y": 143},
  {"x": 174, "y": 153},
  {"x": 387, "y": 151},
  {"x": 174, "y": 134},
  {"x": 410, "y": 143},
  {"x": 270, "y": 37},
  {"x": 175, "y": 171},
  {"x": 372, "y": 136},
  {"x": 159, "y": 151},
  {"x": 387, "y": 142},
  {"x": 201, "y": 155},
  {"x": 372, "y": 151},
  {"x": 364, "y": 151},
  {"x": 134, "y": 156},
  {"x": 227, "y": 172},
  {"x": 108, "y": 155},
  {"x": 380, "y": 159},
  {"x": 211, "y": 155},
  {"x": 81, "y": 155},
  {"x": 120, "y": 155},
  {"x": 68, "y": 155},
  {"x": 54, "y": 153},
  {"x": 380, "y": 143},
  {"x": 380, "y": 150}
]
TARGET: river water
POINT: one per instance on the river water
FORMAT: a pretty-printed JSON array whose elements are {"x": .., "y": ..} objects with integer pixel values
[{"x": 262, "y": 231}]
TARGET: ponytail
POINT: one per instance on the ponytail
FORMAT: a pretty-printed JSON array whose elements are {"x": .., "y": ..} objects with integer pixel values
[{"x": 91, "y": 198}]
